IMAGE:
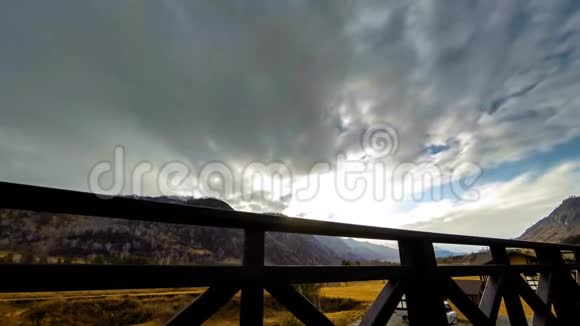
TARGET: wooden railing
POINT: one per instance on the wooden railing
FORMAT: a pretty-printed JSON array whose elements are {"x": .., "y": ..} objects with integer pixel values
[{"x": 424, "y": 284}]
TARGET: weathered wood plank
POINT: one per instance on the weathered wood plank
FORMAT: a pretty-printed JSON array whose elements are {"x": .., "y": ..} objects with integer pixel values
[
  {"x": 202, "y": 308},
  {"x": 298, "y": 305},
  {"x": 464, "y": 304},
  {"x": 491, "y": 299},
  {"x": 65, "y": 277},
  {"x": 494, "y": 269},
  {"x": 77, "y": 277},
  {"x": 383, "y": 307}
]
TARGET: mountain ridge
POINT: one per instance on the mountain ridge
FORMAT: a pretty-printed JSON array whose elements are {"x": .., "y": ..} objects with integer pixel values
[
  {"x": 561, "y": 225},
  {"x": 91, "y": 239}
]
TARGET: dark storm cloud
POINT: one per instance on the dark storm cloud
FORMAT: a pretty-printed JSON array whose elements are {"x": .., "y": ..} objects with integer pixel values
[
  {"x": 205, "y": 80},
  {"x": 296, "y": 81}
]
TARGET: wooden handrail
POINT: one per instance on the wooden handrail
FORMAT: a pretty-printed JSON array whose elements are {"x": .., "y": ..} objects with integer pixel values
[
  {"x": 418, "y": 277},
  {"x": 50, "y": 200}
]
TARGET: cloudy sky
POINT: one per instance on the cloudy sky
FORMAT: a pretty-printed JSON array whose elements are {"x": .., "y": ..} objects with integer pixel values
[{"x": 484, "y": 96}]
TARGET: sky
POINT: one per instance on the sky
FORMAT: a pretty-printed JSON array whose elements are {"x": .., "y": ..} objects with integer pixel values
[{"x": 451, "y": 116}]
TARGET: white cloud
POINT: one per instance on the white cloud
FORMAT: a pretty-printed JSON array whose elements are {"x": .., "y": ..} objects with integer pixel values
[{"x": 505, "y": 209}]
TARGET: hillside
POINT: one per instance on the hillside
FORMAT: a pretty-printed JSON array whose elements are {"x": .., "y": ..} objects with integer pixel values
[
  {"x": 561, "y": 225},
  {"x": 41, "y": 236}
]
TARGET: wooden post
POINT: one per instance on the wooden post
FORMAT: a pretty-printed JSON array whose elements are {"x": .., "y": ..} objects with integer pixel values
[
  {"x": 382, "y": 308},
  {"x": 423, "y": 293},
  {"x": 252, "y": 305},
  {"x": 511, "y": 297},
  {"x": 558, "y": 286}
]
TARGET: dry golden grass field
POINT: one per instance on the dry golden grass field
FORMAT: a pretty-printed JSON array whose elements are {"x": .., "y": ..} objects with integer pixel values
[{"x": 342, "y": 304}]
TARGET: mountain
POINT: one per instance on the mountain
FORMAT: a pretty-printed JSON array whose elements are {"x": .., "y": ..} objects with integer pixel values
[
  {"x": 440, "y": 252},
  {"x": 355, "y": 250},
  {"x": 53, "y": 237},
  {"x": 562, "y": 225}
]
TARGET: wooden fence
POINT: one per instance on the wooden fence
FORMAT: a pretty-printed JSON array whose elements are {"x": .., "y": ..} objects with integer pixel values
[{"x": 424, "y": 284}]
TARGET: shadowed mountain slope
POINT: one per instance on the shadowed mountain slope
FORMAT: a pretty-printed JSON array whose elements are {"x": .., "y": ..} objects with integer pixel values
[
  {"x": 562, "y": 224},
  {"x": 88, "y": 239}
]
